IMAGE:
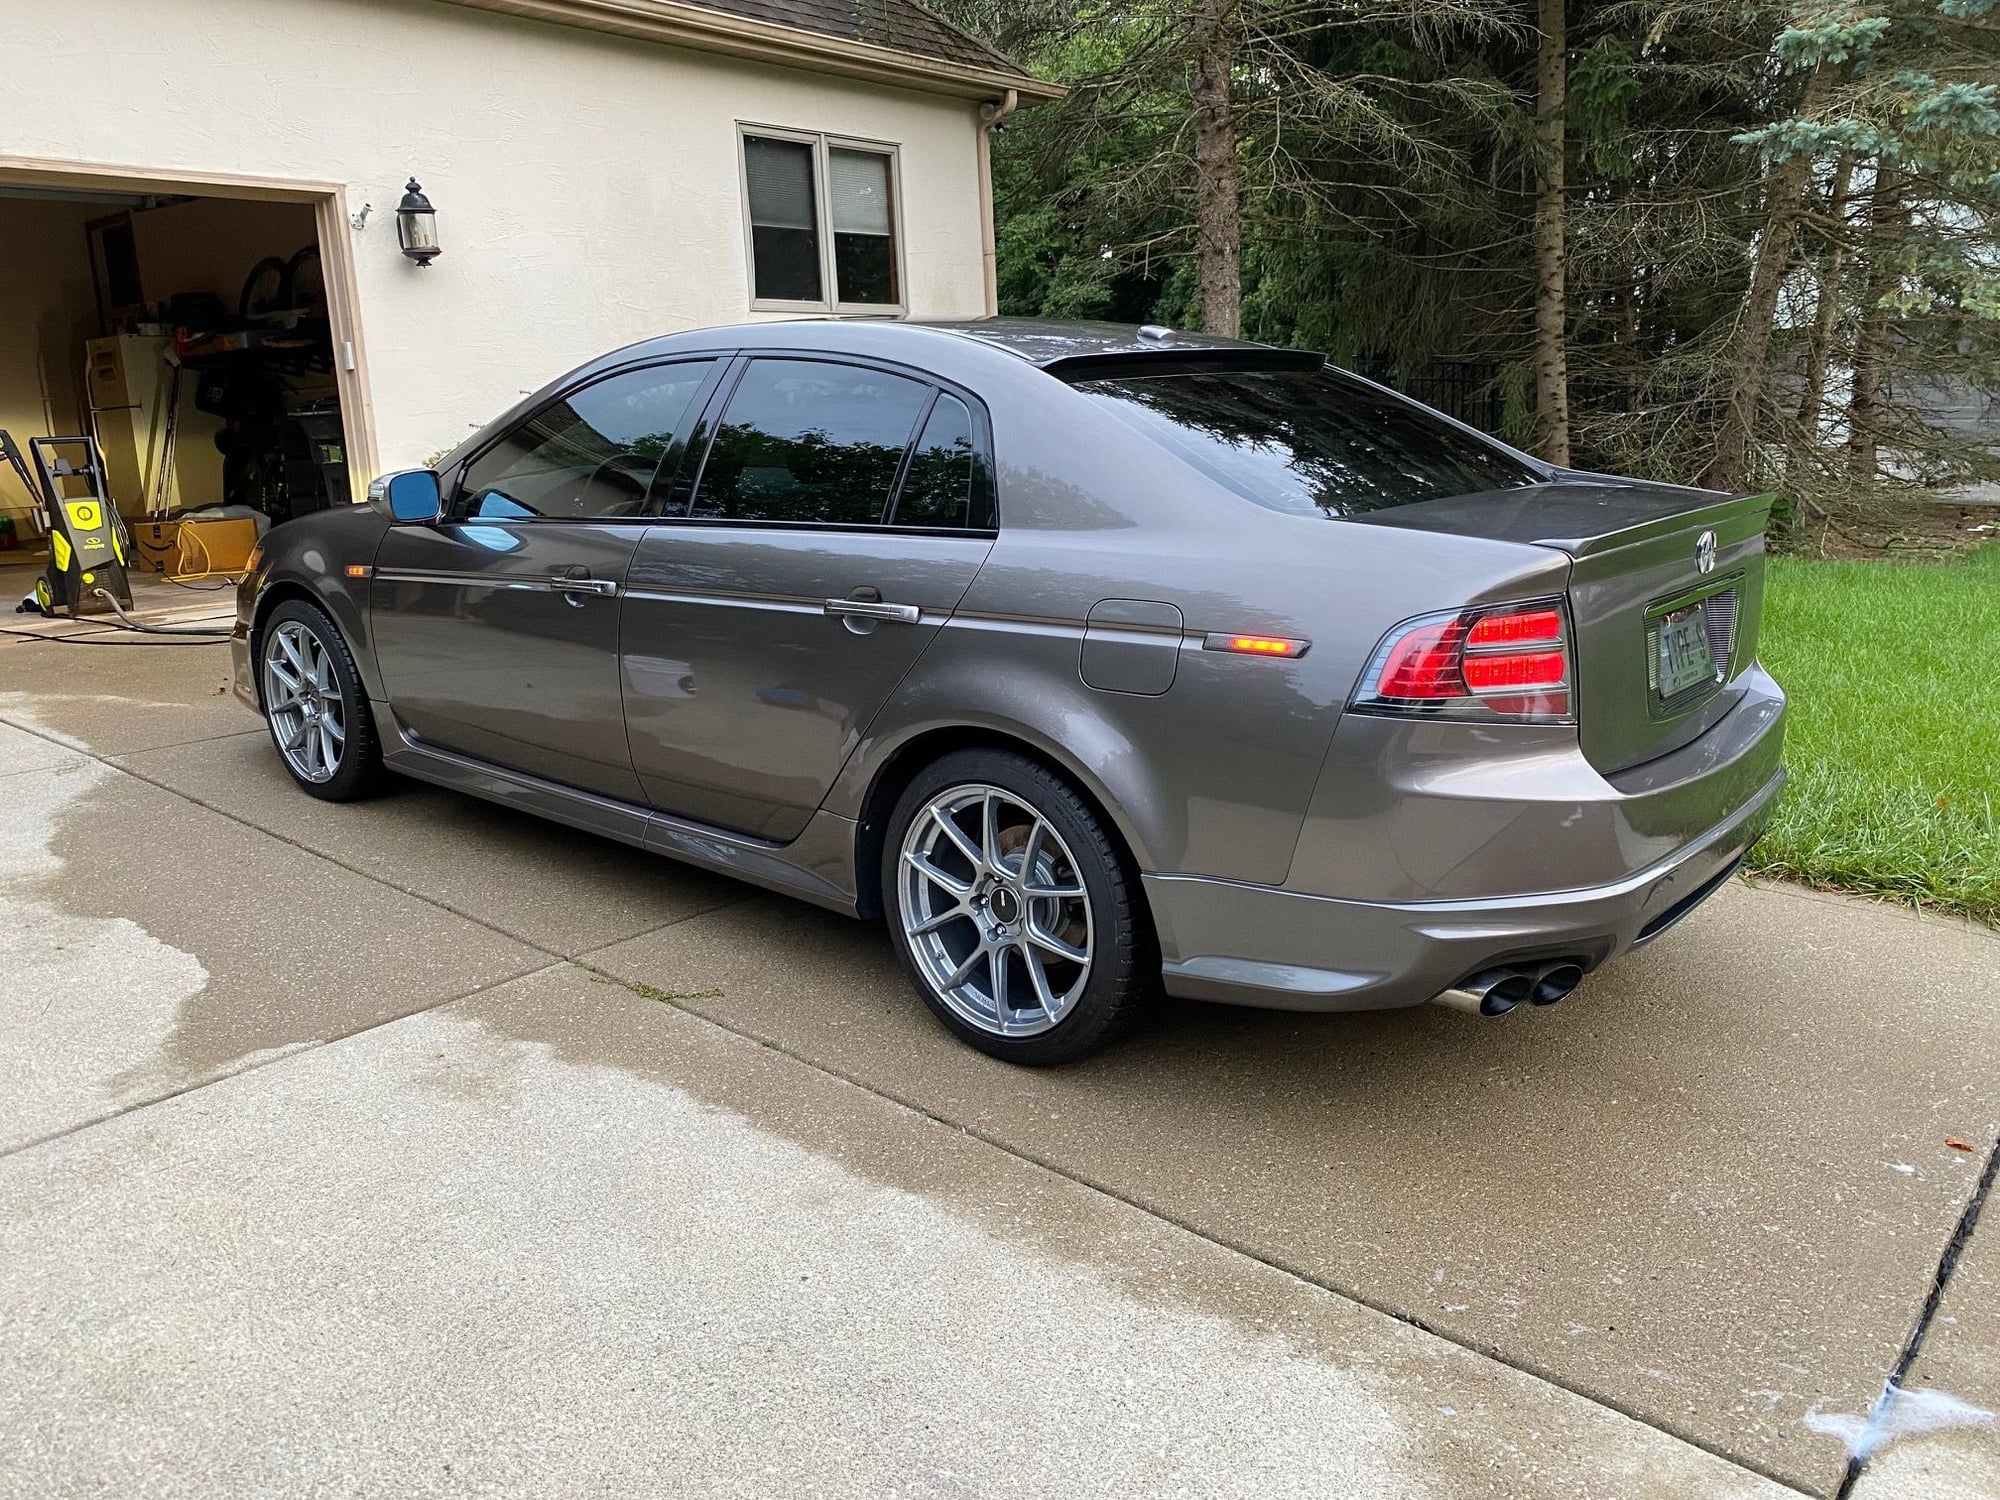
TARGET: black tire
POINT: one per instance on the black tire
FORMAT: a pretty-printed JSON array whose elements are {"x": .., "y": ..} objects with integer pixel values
[
  {"x": 358, "y": 772},
  {"x": 305, "y": 281},
  {"x": 265, "y": 288},
  {"x": 1116, "y": 990}
]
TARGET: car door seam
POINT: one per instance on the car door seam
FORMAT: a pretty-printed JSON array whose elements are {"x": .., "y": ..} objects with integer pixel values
[{"x": 861, "y": 730}]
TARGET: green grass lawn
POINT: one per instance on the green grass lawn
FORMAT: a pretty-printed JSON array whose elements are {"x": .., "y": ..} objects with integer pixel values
[{"x": 1894, "y": 737}]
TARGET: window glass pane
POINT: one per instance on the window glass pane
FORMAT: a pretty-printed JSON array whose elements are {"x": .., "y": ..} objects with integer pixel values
[
  {"x": 859, "y": 183},
  {"x": 592, "y": 454},
  {"x": 784, "y": 220},
  {"x": 1314, "y": 442},
  {"x": 803, "y": 441},
  {"x": 947, "y": 483},
  {"x": 864, "y": 245}
]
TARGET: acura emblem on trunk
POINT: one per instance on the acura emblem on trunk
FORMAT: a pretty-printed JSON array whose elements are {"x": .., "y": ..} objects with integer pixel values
[{"x": 1704, "y": 552}]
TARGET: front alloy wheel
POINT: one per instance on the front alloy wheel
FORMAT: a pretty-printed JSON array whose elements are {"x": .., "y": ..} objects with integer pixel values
[
  {"x": 1014, "y": 910},
  {"x": 302, "y": 699},
  {"x": 315, "y": 705}
]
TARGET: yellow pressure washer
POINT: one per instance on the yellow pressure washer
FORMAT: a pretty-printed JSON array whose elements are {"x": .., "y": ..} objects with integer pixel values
[{"x": 88, "y": 544}]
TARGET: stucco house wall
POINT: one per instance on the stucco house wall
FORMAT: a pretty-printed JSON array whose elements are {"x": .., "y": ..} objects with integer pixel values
[{"x": 587, "y": 186}]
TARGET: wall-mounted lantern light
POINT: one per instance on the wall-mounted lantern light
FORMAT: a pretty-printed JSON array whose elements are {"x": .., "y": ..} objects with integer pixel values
[{"x": 416, "y": 226}]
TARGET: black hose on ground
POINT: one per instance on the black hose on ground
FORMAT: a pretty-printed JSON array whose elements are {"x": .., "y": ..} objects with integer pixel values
[
  {"x": 98, "y": 640},
  {"x": 219, "y": 631}
]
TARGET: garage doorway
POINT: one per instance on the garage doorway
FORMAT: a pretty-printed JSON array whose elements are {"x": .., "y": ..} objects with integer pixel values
[{"x": 202, "y": 333}]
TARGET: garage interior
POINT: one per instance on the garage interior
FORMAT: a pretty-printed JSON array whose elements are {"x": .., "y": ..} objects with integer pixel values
[{"x": 189, "y": 337}]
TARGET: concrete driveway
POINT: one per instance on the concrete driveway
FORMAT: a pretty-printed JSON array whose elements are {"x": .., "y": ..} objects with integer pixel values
[{"x": 417, "y": 1147}]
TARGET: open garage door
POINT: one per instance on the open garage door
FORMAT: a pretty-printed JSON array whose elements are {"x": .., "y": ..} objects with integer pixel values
[{"x": 202, "y": 342}]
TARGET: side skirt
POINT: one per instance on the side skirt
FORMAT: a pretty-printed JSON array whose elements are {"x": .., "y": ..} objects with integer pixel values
[{"x": 817, "y": 866}]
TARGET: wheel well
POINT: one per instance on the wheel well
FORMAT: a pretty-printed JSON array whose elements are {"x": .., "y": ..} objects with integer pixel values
[{"x": 905, "y": 766}]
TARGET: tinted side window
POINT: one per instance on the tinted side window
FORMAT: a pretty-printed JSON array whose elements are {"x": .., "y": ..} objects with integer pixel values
[
  {"x": 947, "y": 483},
  {"x": 802, "y": 441},
  {"x": 590, "y": 455}
]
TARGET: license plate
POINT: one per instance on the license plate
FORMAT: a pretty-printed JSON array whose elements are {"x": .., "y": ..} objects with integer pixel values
[{"x": 1685, "y": 659}]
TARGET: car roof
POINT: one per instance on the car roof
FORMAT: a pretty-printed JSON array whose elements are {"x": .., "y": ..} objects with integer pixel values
[
  {"x": 1069, "y": 350},
  {"x": 1044, "y": 341}
]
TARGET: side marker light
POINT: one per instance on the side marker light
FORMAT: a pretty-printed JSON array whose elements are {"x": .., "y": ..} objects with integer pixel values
[{"x": 1253, "y": 645}]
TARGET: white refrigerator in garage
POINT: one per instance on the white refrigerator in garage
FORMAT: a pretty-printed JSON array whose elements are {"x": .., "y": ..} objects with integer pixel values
[{"x": 134, "y": 403}]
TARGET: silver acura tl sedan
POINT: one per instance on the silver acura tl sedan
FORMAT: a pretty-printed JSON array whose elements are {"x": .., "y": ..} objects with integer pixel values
[{"x": 1097, "y": 660}]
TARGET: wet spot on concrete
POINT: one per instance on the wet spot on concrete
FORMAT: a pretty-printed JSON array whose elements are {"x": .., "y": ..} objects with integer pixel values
[
  {"x": 149, "y": 944},
  {"x": 86, "y": 998}
]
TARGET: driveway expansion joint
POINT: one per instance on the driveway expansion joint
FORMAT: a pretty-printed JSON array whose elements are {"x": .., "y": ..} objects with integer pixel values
[
  {"x": 1948, "y": 1258},
  {"x": 275, "y": 1059},
  {"x": 114, "y": 763},
  {"x": 117, "y": 763}
]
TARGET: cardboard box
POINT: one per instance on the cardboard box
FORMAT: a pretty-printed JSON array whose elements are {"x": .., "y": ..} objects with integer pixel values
[
  {"x": 211, "y": 547},
  {"x": 159, "y": 544}
]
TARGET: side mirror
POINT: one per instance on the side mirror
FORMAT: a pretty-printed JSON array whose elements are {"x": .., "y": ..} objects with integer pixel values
[{"x": 411, "y": 497}]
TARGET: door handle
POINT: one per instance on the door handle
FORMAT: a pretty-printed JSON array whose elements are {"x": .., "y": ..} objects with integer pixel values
[
  {"x": 874, "y": 609},
  {"x": 570, "y": 584}
]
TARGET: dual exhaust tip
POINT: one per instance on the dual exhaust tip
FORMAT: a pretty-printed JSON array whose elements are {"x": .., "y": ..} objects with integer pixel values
[{"x": 1494, "y": 992}]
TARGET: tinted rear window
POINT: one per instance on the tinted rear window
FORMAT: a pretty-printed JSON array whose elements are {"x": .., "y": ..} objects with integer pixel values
[{"x": 1312, "y": 442}]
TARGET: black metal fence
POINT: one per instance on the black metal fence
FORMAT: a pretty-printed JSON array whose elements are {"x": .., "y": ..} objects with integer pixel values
[{"x": 1463, "y": 388}]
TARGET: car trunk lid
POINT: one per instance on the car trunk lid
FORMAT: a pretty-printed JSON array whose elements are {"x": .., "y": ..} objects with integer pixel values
[{"x": 1666, "y": 587}]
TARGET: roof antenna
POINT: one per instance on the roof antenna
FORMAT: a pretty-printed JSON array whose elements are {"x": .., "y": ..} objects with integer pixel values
[{"x": 1154, "y": 333}]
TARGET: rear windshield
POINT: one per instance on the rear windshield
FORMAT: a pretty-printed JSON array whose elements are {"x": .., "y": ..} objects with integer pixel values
[{"x": 1314, "y": 442}]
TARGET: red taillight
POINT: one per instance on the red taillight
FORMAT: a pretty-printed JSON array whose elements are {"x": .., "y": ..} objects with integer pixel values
[
  {"x": 1498, "y": 663},
  {"x": 1517, "y": 627},
  {"x": 1516, "y": 669},
  {"x": 1425, "y": 663}
]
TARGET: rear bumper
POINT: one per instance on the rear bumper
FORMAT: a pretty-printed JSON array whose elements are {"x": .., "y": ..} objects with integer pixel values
[{"x": 1259, "y": 945}]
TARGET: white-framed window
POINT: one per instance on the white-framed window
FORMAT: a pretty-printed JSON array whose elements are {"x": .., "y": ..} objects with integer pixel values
[{"x": 822, "y": 219}]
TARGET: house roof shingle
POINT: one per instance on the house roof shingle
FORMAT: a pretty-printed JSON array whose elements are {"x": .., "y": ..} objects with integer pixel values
[
  {"x": 900, "y": 25},
  {"x": 891, "y": 41}
]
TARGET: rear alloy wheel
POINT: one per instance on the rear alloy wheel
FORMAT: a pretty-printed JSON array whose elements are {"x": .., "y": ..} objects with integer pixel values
[
  {"x": 314, "y": 704},
  {"x": 1013, "y": 911}
]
